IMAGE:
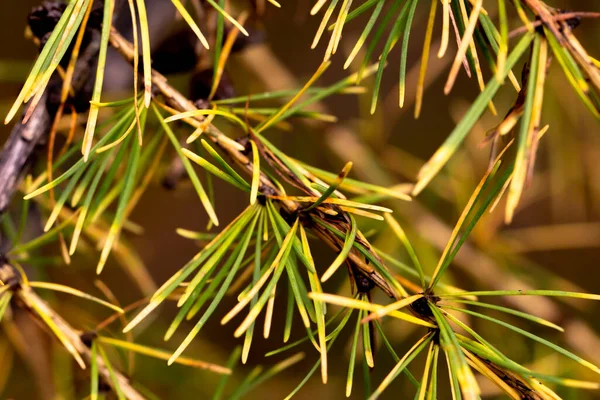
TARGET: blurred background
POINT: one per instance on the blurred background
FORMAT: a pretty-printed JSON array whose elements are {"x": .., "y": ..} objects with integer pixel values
[{"x": 553, "y": 243}]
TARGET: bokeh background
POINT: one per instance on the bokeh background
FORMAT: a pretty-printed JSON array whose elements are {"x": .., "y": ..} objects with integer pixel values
[{"x": 553, "y": 243}]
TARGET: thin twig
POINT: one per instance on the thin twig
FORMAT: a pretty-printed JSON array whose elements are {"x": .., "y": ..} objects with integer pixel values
[{"x": 560, "y": 17}]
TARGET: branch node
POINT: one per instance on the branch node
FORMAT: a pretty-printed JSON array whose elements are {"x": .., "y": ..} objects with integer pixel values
[{"x": 88, "y": 337}]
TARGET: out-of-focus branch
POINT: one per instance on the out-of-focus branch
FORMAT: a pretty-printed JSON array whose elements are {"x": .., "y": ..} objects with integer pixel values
[{"x": 28, "y": 300}]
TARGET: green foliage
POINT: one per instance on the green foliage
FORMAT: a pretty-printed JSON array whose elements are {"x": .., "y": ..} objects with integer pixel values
[{"x": 263, "y": 258}]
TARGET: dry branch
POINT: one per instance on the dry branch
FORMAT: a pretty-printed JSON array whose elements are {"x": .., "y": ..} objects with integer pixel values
[{"x": 27, "y": 299}]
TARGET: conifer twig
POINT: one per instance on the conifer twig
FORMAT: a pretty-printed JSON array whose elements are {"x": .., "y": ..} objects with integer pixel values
[{"x": 238, "y": 154}]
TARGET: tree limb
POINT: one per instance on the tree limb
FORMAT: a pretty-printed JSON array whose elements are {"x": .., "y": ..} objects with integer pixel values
[{"x": 18, "y": 149}]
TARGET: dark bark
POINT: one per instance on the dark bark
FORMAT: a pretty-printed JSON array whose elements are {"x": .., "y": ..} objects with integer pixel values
[{"x": 18, "y": 149}]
